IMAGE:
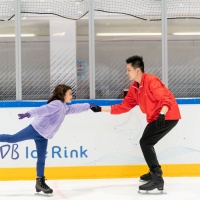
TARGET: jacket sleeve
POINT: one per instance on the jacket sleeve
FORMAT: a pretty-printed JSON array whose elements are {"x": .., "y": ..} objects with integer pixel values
[
  {"x": 77, "y": 108},
  {"x": 127, "y": 104},
  {"x": 47, "y": 109},
  {"x": 160, "y": 92}
]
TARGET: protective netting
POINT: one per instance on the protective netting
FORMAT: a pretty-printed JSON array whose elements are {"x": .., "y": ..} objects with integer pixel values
[
  {"x": 75, "y": 9},
  {"x": 7, "y": 10},
  {"x": 71, "y": 9}
]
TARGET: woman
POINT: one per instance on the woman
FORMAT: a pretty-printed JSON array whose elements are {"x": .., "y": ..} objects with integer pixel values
[{"x": 47, "y": 121}]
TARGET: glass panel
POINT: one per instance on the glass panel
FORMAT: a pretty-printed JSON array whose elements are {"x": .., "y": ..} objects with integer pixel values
[
  {"x": 35, "y": 58},
  {"x": 7, "y": 60},
  {"x": 59, "y": 55},
  {"x": 184, "y": 48},
  {"x": 117, "y": 38},
  {"x": 83, "y": 91},
  {"x": 48, "y": 56}
]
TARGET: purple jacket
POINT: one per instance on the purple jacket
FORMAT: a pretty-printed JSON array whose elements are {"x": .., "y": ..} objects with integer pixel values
[{"x": 48, "y": 118}]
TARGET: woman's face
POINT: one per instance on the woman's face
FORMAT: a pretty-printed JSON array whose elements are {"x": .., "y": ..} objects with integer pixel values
[{"x": 68, "y": 96}]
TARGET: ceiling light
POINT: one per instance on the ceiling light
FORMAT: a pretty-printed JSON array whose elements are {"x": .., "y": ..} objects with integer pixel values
[
  {"x": 128, "y": 34},
  {"x": 59, "y": 34},
  {"x": 187, "y": 33},
  {"x": 13, "y": 35}
]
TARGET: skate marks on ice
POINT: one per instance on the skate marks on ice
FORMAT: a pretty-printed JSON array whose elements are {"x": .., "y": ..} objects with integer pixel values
[
  {"x": 102, "y": 189},
  {"x": 98, "y": 189},
  {"x": 21, "y": 190}
]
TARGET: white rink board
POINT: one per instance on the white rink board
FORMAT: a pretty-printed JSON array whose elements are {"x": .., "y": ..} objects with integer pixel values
[{"x": 95, "y": 139}]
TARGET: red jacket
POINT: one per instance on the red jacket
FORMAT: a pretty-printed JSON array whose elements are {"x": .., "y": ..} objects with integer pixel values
[{"x": 151, "y": 96}]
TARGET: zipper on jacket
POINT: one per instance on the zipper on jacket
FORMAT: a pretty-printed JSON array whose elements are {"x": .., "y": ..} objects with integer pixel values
[{"x": 137, "y": 88}]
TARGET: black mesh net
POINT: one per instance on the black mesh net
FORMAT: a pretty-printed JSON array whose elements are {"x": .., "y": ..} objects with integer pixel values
[
  {"x": 7, "y": 10},
  {"x": 75, "y": 9},
  {"x": 71, "y": 9}
]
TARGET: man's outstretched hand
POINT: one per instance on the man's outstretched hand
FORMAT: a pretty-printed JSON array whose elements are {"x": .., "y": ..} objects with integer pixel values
[{"x": 95, "y": 108}]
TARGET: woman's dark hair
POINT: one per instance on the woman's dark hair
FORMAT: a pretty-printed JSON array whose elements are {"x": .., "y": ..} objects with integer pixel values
[
  {"x": 136, "y": 62},
  {"x": 59, "y": 93}
]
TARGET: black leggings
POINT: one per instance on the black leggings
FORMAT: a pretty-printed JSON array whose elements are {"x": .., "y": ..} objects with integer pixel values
[
  {"x": 150, "y": 137},
  {"x": 29, "y": 133}
]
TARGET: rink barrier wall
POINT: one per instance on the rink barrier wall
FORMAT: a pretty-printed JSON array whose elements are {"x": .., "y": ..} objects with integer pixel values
[
  {"x": 87, "y": 172},
  {"x": 100, "y": 102},
  {"x": 98, "y": 172}
]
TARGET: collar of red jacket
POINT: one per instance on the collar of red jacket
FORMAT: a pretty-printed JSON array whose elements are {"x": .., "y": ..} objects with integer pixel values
[{"x": 135, "y": 83}]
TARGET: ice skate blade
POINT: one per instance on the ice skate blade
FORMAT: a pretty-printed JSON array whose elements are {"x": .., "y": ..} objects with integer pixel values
[
  {"x": 44, "y": 194},
  {"x": 151, "y": 192}
]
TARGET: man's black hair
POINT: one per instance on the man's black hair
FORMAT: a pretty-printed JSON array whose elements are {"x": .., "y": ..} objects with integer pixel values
[{"x": 136, "y": 62}]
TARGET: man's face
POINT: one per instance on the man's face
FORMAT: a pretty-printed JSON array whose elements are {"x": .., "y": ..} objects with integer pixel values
[{"x": 131, "y": 72}]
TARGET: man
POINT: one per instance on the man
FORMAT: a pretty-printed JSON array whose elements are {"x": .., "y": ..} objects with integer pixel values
[{"x": 162, "y": 113}]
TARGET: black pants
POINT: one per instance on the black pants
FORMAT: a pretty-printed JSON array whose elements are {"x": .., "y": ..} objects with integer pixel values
[{"x": 150, "y": 137}]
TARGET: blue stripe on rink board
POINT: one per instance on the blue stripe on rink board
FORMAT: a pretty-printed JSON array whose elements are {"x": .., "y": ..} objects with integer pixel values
[{"x": 100, "y": 102}]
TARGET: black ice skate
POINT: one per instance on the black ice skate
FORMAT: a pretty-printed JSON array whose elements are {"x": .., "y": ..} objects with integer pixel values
[
  {"x": 156, "y": 181},
  {"x": 42, "y": 186},
  {"x": 145, "y": 177}
]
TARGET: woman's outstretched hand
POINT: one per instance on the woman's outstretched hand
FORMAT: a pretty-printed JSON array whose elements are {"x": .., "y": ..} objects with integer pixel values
[{"x": 22, "y": 116}]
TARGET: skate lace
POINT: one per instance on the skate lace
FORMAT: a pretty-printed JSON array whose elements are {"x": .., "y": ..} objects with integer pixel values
[
  {"x": 150, "y": 184},
  {"x": 44, "y": 185},
  {"x": 147, "y": 175}
]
